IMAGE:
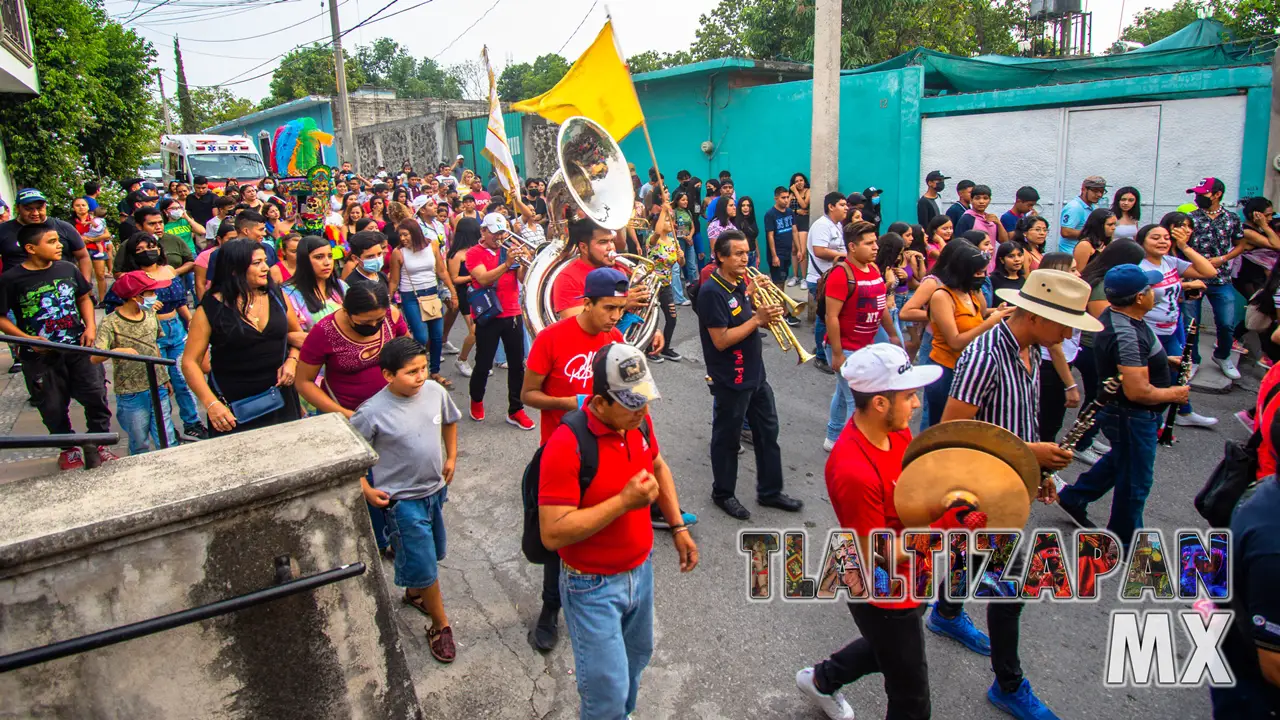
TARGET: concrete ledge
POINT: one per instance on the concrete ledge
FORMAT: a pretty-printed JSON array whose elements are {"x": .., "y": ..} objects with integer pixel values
[{"x": 60, "y": 513}]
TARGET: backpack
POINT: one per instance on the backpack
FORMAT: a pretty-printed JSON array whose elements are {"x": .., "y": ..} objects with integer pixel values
[
  {"x": 588, "y": 463},
  {"x": 1233, "y": 478},
  {"x": 821, "y": 289}
]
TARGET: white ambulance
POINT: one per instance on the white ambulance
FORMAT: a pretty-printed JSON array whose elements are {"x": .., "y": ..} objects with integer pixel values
[{"x": 216, "y": 157}]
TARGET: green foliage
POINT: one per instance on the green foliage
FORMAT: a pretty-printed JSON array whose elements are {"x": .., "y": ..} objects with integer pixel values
[
  {"x": 213, "y": 106},
  {"x": 309, "y": 71},
  {"x": 650, "y": 60},
  {"x": 1249, "y": 19},
  {"x": 94, "y": 116},
  {"x": 388, "y": 64},
  {"x": 523, "y": 80},
  {"x": 1241, "y": 19},
  {"x": 186, "y": 110},
  {"x": 1151, "y": 25}
]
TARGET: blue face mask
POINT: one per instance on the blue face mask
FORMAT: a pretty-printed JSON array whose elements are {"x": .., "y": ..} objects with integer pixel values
[
  {"x": 148, "y": 302},
  {"x": 372, "y": 265},
  {"x": 875, "y": 200}
]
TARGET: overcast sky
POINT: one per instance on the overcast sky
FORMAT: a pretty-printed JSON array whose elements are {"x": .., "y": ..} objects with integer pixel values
[{"x": 515, "y": 30}]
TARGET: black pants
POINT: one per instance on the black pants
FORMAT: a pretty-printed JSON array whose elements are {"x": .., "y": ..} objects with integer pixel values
[
  {"x": 728, "y": 408},
  {"x": 1088, "y": 368},
  {"x": 666, "y": 301},
  {"x": 779, "y": 274},
  {"x": 58, "y": 378},
  {"x": 892, "y": 644},
  {"x": 511, "y": 332},
  {"x": 551, "y": 584},
  {"x": 1053, "y": 402},
  {"x": 1003, "y": 620}
]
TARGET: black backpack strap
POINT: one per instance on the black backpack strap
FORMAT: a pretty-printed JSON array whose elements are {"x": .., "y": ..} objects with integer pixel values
[{"x": 588, "y": 451}]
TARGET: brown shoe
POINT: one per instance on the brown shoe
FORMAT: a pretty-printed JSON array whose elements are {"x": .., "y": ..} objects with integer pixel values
[{"x": 442, "y": 647}]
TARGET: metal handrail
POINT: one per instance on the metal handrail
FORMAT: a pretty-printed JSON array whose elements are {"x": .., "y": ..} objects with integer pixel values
[
  {"x": 153, "y": 383},
  {"x": 85, "y": 643}
]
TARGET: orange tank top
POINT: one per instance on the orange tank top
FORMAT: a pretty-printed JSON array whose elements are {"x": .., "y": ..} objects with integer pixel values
[{"x": 966, "y": 320}]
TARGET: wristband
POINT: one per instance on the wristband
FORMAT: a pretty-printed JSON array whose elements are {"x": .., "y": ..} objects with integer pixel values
[
  {"x": 210, "y": 405},
  {"x": 1072, "y": 387},
  {"x": 679, "y": 529}
]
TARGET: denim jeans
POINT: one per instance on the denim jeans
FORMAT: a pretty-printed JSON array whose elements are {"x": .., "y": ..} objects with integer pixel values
[
  {"x": 1129, "y": 468},
  {"x": 172, "y": 343},
  {"x": 610, "y": 621},
  {"x": 428, "y": 332},
  {"x": 1223, "y": 301},
  {"x": 819, "y": 324},
  {"x": 135, "y": 415},
  {"x": 841, "y": 408},
  {"x": 937, "y": 393}
]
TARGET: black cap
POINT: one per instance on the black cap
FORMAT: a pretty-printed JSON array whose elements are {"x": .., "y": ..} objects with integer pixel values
[
  {"x": 1026, "y": 193},
  {"x": 936, "y": 175},
  {"x": 856, "y": 199}
]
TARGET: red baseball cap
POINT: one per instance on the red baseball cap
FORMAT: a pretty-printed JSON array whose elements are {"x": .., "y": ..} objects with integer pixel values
[{"x": 136, "y": 282}]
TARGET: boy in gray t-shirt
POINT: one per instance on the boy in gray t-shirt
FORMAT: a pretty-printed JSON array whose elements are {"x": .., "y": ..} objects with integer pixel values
[{"x": 412, "y": 423}]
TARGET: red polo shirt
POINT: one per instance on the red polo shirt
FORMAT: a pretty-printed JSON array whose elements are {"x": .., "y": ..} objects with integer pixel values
[
  {"x": 623, "y": 544},
  {"x": 562, "y": 354},
  {"x": 860, "y": 482},
  {"x": 508, "y": 285},
  {"x": 1263, "y": 416}
]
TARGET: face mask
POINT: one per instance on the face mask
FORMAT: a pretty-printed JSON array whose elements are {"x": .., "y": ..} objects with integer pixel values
[
  {"x": 147, "y": 258},
  {"x": 268, "y": 188},
  {"x": 148, "y": 302},
  {"x": 366, "y": 330},
  {"x": 941, "y": 186},
  {"x": 1204, "y": 202},
  {"x": 875, "y": 200},
  {"x": 175, "y": 214},
  {"x": 372, "y": 265}
]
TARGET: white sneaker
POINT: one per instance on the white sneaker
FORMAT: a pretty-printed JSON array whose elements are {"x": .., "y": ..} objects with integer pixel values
[
  {"x": 687, "y": 302},
  {"x": 463, "y": 366},
  {"x": 793, "y": 281},
  {"x": 834, "y": 705},
  {"x": 1195, "y": 419},
  {"x": 502, "y": 365},
  {"x": 1087, "y": 456},
  {"x": 1228, "y": 366},
  {"x": 1100, "y": 447},
  {"x": 1195, "y": 367},
  {"x": 827, "y": 444},
  {"x": 450, "y": 349}
]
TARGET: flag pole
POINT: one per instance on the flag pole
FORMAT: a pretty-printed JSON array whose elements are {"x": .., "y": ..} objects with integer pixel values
[{"x": 644, "y": 124}]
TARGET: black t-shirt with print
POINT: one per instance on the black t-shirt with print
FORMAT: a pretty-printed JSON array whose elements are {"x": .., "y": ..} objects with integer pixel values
[
  {"x": 721, "y": 305},
  {"x": 44, "y": 301}
]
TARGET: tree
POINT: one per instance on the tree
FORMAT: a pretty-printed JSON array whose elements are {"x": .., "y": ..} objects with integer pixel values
[
  {"x": 214, "y": 106},
  {"x": 1151, "y": 25},
  {"x": 1241, "y": 19},
  {"x": 472, "y": 80},
  {"x": 388, "y": 64},
  {"x": 310, "y": 71},
  {"x": 524, "y": 80},
  {"x": 94, "y": 116},
  {"x": 186, "y": 110}
]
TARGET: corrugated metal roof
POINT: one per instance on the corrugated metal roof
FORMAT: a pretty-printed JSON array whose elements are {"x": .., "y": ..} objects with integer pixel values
[
  {"x": 722, "y": 64},
  {"x": 281, "y": 109}
]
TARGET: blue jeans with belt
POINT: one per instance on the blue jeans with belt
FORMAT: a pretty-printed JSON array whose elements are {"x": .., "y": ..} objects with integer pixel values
[
  {"x": 610, "y": 621},
  {"x": 428, "y": 332},
  {"x": 1223, "y": 301},
  {"x": 171, "y": 343},
  {"x": 1129, "y": 468}
]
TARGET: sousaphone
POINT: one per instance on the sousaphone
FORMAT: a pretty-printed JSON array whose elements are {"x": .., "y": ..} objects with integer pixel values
[
  {"x": 967, "y": 460},
  {"x": 593, "y": 182}
]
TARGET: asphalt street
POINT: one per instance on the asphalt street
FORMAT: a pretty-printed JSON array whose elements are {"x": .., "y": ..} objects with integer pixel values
[{"x": 719, "y": 656}]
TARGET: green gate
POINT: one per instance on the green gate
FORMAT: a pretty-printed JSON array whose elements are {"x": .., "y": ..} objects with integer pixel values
[{"x": 471, "y": 134}]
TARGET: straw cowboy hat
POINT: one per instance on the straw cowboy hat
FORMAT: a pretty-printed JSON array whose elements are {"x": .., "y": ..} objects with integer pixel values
[{"x": 1054, "y": 295}]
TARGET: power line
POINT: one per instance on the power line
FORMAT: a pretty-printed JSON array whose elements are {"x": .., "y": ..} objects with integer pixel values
[
  {"x": 469, "y": 27},
  {"x": 144, "y": 12},
  {"x": 580, "y": 24},
  {"x": 207, "y": 14},
  {"x": 262, "y": 35}
]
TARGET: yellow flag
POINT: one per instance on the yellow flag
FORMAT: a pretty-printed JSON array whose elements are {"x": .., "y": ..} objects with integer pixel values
[{"x": 598, "y": 86}]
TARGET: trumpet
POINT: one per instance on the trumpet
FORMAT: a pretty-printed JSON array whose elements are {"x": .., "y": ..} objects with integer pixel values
[{"x": 766, "y": 293}]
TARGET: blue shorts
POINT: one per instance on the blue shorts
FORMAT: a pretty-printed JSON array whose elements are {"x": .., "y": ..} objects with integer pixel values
[{"x": 417, "y": 534}]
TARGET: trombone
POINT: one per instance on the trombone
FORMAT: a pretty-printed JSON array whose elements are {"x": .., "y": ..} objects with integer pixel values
[{"x": 766, "y": 293}]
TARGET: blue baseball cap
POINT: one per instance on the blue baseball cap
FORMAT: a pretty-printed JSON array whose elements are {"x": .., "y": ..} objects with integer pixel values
[
  {"x": 605, "y": 282},
  {"x": 29, "y": 195},
  {"x": 1129, "y": 279}
]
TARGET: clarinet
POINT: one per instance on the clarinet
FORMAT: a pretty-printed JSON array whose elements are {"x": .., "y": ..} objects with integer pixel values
[
  {"x": 1184, "y": 377},
  {"x": 1086, "y": 418}
]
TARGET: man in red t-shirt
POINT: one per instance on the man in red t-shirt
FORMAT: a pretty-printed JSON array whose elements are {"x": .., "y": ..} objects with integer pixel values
[
  {"x": 861, "y": 474},
  {"x": 855, "y": 312},
  {"x": 603, "y": 534},
  {"x": 492, "y": 266}
]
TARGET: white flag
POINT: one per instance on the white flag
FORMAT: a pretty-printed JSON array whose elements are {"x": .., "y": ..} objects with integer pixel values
[{"x": 496, "y": 148}]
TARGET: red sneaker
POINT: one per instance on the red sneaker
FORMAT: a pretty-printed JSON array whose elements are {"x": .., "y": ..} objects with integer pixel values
[
  {"x": 477, "y": 411},
  {"x": 106, "y": 455},
  {"x": 71, "y": 459},
  {"x": 521, "y": 420}
]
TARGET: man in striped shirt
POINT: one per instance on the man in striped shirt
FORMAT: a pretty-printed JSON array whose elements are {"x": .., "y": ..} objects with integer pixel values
[{"x": 997, "y": 380}]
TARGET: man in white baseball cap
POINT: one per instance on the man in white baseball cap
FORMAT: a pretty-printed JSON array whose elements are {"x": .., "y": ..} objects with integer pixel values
[{"x": 861, "y": 474}]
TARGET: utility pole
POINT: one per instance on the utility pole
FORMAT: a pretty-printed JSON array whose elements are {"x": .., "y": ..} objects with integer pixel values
[
  {"x": 824, "y": 164},
  {"x": 164, "y": 104},
  {"x": 348, "y": 148}
]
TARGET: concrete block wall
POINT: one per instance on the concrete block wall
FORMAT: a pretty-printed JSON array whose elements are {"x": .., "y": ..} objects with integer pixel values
[{"x": 86, "y": 551}]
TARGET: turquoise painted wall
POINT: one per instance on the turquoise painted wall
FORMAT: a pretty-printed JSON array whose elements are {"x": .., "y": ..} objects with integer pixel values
[{"x": 322, "y": 114}]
